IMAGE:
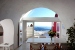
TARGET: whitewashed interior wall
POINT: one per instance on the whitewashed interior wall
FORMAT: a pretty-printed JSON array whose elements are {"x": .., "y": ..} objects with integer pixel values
[
  {"x": 8, "y": 31},
  {"x": 14, "y": 9}
]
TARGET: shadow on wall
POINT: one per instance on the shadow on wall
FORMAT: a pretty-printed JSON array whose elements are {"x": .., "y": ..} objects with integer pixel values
[{"x": 1, "y": 34}]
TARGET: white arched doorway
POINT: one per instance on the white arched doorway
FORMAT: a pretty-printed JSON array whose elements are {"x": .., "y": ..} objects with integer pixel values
[{"x": 35, "y": 15}]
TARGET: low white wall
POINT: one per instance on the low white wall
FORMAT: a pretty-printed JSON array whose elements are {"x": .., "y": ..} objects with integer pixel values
[{"x": 8, "y": 31}]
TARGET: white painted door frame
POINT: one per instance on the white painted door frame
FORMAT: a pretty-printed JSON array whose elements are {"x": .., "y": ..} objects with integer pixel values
[{"x": 20, "y": 34}]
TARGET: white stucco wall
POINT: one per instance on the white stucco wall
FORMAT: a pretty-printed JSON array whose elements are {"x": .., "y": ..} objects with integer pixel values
[
  {"x": 13, "y": 9},
  {"x": 8, "y": 31}
]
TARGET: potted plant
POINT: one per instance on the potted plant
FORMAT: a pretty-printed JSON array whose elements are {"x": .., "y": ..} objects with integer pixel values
[
  {"x": 51, "y": 34},
  {"x": 71, "y": 37}
]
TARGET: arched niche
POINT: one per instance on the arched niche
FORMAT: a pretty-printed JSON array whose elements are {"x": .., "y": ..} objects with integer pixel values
[
  {"x": 8, "y": 31},
  {"x": 1, "y": 34},
  {"x": 1, "y": 30}
]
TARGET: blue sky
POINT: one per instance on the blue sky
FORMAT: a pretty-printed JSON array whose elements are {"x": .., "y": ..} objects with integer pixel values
[
  {"x": 43, "y": 24},
  {"x": 41, "y": 12}
]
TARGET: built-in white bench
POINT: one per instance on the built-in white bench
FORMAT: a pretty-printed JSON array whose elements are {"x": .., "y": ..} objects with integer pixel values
[{"x": 8, "y": 34}]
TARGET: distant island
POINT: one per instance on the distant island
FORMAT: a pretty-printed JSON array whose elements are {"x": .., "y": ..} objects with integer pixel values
[{"x": 41, "y": 28}]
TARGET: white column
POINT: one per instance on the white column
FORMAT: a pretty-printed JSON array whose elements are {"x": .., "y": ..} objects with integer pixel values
[
  {"x": 24, "y": 30},
  {"x": 59, "y": 29},
  {"x": 33, "y": 29}
]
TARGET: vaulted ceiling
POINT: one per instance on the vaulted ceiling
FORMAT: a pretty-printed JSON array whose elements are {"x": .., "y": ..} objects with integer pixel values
[
  {"x": 59, "y": 6},
  {"x": 14, "y": 9}
]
